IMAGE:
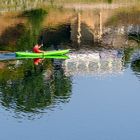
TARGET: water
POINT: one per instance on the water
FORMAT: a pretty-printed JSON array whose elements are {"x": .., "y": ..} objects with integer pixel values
[
  {"x": 108, "y": 108},
  {"x": 92, "y": 95},
  {"x": 8, "y": 56}
]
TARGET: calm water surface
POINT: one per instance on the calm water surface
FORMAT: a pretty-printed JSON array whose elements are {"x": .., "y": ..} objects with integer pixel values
[{"x": 92, "y": 95}]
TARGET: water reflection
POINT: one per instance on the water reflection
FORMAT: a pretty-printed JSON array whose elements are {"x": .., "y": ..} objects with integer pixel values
[
  {"x": 103, "y": 62},
  {"x": 28, "y": 89},
  {"x": 135, "y": 64}
]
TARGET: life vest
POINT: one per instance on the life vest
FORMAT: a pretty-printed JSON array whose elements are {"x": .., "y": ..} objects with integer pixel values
[{"x": 36, "y": 49}]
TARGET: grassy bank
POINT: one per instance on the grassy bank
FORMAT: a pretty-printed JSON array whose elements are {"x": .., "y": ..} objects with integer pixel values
[
  {"x": 96, "y": 1},
  {"x": 8, "y": 5}
]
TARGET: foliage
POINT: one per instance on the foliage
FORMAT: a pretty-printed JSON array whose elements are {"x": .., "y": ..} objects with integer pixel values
[
  {"x": 22, "y": 37},
  {"x": 30, "y": 92},
  {"x": 136, "y": 66},
  {"x": 124, "y": 16},
  {"x": 134, "y": 36},
  {"x": 127, "y": 55},
  {"x": 10, "y": 37}
]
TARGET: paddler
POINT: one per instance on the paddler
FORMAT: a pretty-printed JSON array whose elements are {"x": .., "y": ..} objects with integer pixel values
[{"x": 36, "y": 49}]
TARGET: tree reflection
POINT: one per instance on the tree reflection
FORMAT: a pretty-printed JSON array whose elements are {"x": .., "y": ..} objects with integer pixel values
[
  {"x": 134, "y": 36},
  {"x": 127, "y": 56},
  {"x": 135, "y": 66},
  {"x": 30, "y": 92}
]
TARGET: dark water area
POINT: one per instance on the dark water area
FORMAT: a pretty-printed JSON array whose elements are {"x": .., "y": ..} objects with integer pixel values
[{"x": 93, "y": 94}]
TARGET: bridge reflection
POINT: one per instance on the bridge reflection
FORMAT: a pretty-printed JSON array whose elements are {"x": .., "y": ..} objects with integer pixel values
[{"x": 94, "y": 63}]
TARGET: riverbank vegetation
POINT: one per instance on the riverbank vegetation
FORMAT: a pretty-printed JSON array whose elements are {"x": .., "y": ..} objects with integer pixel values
[
  {"x": 20, "y": 31},
  {"x": 35, "y": 2},
  {"x": 11, "y": 5},
  {"x": 125, "y": 16}
]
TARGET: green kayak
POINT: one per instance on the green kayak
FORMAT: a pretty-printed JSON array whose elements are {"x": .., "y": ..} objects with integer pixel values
[{"x": 48, "y": 53}]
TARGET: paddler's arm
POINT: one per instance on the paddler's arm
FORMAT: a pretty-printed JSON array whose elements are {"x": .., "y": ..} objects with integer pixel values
[{"x": 40, "y": 51}]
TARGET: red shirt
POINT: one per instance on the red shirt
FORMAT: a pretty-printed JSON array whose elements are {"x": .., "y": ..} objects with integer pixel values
[{"x": 36, "y": 49}]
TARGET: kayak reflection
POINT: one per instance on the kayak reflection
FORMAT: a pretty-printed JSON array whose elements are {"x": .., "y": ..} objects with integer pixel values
[{"x": 39, "y": 60}]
